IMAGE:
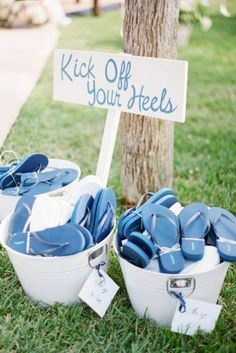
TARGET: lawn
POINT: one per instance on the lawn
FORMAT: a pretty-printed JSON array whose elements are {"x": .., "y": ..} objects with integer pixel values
[{"x": 204, "y": 170}]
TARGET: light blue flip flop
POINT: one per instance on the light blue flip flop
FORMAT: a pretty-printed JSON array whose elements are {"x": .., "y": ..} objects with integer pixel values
[
  {"x": 58, "y": 241},
  {"x": 223, "y": 226},
  {"x": 194, "y": 224},
  {"x": 43, "y": 182},
  {"x": 82, "y": 210},
  {"x": 162, "y": 225},
  {"x": 21, "y": 214},
  {"x": 32, "y": 163}
]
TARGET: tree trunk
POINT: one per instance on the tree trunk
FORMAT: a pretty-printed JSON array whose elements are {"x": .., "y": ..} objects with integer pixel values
[{"x": 150, "y": 29}]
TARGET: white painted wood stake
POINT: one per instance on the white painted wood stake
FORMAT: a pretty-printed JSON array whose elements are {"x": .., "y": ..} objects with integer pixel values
[{"x": 107, "y": 146}]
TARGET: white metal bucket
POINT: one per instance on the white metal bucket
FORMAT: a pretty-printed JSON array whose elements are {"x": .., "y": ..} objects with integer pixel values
[
  {"x": 48, "y": 280},
  {"x": 149, "y": 292},
  {"x": 8, "y": 203}
]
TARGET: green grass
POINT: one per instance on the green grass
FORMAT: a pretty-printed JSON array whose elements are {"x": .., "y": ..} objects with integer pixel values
[{"x": 205, "y": 167}]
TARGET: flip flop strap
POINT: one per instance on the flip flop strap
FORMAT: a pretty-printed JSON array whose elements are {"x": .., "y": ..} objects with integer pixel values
[
  {"x": 46, "y": 252},
  {"x": 22, "y": 192},
  {"x": 35, "y": 177},
  {"x": 155, "y": 216},
  {"x": 11, "y": 152},
  {"x": 220, "y": 238},
  {"x": 103, "y": 220},
  {"x": 193, "y": 219},
  {"x": 140, "y": 201},
  {"x": 228, "y": 241},
  {"x": 86, "y": 220}
]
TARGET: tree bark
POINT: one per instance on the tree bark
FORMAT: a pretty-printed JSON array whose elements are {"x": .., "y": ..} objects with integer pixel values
[{"x": 150, "y": 29}]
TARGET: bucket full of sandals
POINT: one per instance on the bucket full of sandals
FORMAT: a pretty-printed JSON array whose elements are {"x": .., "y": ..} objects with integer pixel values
[
  {"x": 54, "y": 246},
  {"x": 168, "y": 252},
  {"x": 34, "y": 174}
]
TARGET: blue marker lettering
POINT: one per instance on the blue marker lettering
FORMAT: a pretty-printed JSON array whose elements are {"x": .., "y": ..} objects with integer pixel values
[{"x": 64, "y": 66}]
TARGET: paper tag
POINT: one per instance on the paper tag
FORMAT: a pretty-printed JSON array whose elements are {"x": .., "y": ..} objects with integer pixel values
[
  {"x": 98, "y": 292},
  {"x": 199, "y": 315}
]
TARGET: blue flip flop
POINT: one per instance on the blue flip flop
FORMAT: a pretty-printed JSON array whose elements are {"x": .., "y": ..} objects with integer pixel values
[
  {"x": 134, "y": 222},
  {"x": 93, "y": 210},
  {"x": 134, "y": 254},
  {"x": 82, "y": 210},
  {"x": 194, "y": 225},
  {"x": 162, "y": 225},
  {"x": 87, "y": 236},
  {"x": 21, "y": 214},
  {"x": 64, "y": 176},
  {"x": 32, "y": 163},
  {"x": 43, "y": 182},
  {"x": 223, "y": 226},
  {"x": 131, "y": 220},
  {"x": 103, "y": 214},
  {"x": 143, "y": 242},
  {"x": 58, "y": 241}
]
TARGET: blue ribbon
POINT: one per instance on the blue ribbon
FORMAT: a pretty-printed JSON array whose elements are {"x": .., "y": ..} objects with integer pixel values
[{"x": 179, "y": 296}]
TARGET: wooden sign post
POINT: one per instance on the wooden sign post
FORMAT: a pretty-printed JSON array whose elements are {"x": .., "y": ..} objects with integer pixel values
[{"x": 120, "y": 83}]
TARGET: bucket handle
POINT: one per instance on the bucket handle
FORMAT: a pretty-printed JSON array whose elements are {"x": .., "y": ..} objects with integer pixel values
[
  {"x": 180, "y": 283},
  {"x": 97, "y": 256}
]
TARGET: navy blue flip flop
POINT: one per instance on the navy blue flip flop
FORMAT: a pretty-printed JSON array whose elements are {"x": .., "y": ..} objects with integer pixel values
[
  {"x": 223, "y": 226},
  {"x": 194, "y": 224},
  {"x": 82, "y": 210},
  {"x": 162, "y": 225},
  {"x": 58, "y": 241},
  {"x": 134, "y": 254},
  {"x": 32, "y": 163}
]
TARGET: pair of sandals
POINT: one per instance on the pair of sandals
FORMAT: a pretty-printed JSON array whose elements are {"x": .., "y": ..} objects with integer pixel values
[
  {"x": 32, "y": 230},
  {"x": 96, "y": 214},
  {"x": 131, "y": 220},
  {"x": 26, "y": 177},
  {"x": 173, "y": 239},
  {"x": 201, "y": 225}
]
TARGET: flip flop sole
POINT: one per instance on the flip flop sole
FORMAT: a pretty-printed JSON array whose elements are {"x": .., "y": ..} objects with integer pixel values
[
  {"x": 106, "y": 201},
  {"x": 135, "y": 255},
  {"x": 153, "y": 199},
  {"x": 87, "y": 236},
  {"x": 223, "y": 229},
  {"x": 194, "y": 230},
  {"x": 143, "y": 242},
  {"x": 135, "y": 221},
  {"x": 81, "y": 208},
  {"x": 50, "y": 241}
]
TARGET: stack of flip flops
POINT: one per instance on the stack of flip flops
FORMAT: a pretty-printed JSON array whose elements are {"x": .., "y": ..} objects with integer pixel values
[
  {"x": 161, "y": 235},
  {"x": 46, "y": 226},
  {"x": 32, "y": 176}
]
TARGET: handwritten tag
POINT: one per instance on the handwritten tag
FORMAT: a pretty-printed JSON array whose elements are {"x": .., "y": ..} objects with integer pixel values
[
  {"x": 199, "y": 315},
  {"x": 98, "y": 292}
]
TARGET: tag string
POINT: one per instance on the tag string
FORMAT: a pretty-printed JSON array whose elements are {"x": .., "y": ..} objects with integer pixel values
[
  {"x": 103, "y": 263},
  {"x": 182, "y": 303}
]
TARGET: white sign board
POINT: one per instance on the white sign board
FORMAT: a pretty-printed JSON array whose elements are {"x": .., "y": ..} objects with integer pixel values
[{"x": 121, "y": 82}]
